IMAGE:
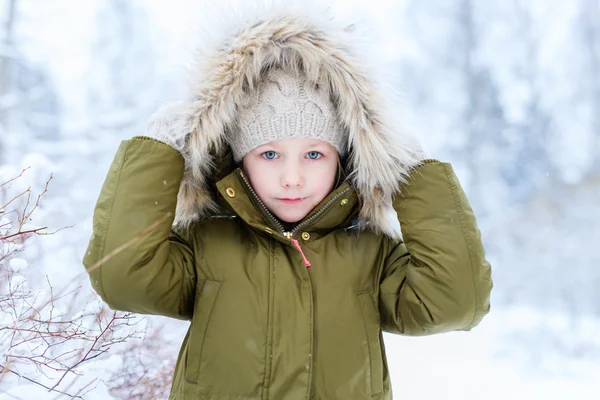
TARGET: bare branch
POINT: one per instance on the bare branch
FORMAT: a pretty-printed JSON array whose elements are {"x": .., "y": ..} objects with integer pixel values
[
  {"x": 22, "y": 233},
  {"x": 16, "y": 197},
  {"x": 33, "y": 333},
  {"x": 15, "y": 178},
  {"x": 37, "y": 202},
  {"x": 5, "y": 369}
]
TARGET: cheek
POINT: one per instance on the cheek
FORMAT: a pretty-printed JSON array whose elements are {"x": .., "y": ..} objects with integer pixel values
[
  {"x": 324, "y": 176},
  {"x": 261, "y": 177}
]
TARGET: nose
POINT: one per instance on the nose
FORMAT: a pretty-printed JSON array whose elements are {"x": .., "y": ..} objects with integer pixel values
[{"x": 292, "y": 176}]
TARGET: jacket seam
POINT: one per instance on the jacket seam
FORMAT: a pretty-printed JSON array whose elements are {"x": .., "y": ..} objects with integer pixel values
[
  {"x": 426, "y": 161},
  {"x": 150, "y": 138},
  {"x": 155, "y": 140},
  {"x": 311, "y": 331},
  {"x": 108, "y": 220},
  {"x": 271, "y": 313},
  {"x": 461, "y": 218}
]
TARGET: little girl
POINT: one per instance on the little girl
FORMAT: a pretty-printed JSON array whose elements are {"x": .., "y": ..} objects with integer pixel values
[{"x": 259, "y": 210}]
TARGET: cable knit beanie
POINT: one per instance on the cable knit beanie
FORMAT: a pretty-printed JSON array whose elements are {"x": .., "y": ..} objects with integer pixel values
[{"x": 285, "y": 105}]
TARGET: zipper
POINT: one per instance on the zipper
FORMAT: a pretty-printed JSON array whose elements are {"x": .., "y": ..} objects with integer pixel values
[
  {"x": 318, "y": 213},
  {"x": 265, "y": 210}
]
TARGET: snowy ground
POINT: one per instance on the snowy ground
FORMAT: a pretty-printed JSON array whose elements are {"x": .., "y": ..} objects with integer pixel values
[{"x": 513, "y": 354}]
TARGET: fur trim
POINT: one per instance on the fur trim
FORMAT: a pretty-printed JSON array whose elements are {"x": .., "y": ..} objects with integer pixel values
[{"x": 230, "y": 63}]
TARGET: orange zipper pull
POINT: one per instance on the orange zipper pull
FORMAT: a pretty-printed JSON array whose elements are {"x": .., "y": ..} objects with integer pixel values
[{"x": 306, "y": 262}]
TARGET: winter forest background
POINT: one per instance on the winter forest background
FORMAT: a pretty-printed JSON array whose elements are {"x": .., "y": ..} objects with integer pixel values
[{"x": 507, "y": 90}]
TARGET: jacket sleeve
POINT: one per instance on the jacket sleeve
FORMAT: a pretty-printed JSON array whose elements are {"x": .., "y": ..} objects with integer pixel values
[
  {"x": 438, "y": 279},
  {"x": 135, "y": 260}
]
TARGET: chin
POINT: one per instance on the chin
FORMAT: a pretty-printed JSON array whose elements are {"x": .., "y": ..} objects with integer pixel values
[
  {"x": 291, "y": 220},
  {"x": 292, "y": 217}
]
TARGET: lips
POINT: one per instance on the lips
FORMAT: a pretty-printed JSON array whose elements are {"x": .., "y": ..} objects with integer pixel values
[{"x": 292, "y": 201}]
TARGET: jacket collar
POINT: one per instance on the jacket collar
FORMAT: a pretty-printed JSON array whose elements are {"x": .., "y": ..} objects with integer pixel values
[{"x": 336, "y": 210}]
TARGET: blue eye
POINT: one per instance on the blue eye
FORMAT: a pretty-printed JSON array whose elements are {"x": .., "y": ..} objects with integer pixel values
[
  {"x": 269, "y": 155},
  {"x": 314, "y": 155}
]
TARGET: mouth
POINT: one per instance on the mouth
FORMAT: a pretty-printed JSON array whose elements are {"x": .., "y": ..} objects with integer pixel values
[{"x": 292, "y": 201}]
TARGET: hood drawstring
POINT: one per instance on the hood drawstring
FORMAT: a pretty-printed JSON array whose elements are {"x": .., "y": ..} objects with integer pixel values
[{"x": 306, "y": 262}]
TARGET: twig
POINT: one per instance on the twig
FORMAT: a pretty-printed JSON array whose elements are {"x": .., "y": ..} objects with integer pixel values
[
  {"x": 85, "y": 357},
  {"x": 52, "y": 389},
  {"x": 56, "y": 231},
  {"x": 15, "y": 178},
  {"x": 23, "y": 233},
  {"x": 16, "y": 197},
  {"x": 37, "y": 202}
]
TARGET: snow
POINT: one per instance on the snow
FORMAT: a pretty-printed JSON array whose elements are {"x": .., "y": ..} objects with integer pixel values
[
  {"x": 534, "y": 179},
  {"x": 504, "y": 357}
]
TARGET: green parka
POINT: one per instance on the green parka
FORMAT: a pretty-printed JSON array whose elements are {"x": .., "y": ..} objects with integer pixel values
[{"x": 264, "y": 325}]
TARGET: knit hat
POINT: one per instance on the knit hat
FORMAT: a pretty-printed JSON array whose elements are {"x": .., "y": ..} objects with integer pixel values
[{"x": 285, "y": 105}]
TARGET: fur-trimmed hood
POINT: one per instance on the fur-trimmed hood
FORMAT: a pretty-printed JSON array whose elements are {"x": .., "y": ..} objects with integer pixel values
[{"x": 230, "y": 62}]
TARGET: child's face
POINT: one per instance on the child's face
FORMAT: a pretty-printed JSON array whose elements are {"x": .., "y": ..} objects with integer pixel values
[{"x": 291, "y": 176}]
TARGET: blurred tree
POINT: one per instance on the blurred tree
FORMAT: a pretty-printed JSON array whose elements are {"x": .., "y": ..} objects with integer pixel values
[
  {"x": 482, "y": 118},
  {"x": 589, "y": 23},
  {"x": 123, "y": 66},
  {"x": 457, "y": 84},
  {"x": 532, "y": 156},
  {"x": 29, "y": 105},
  {"x": 6, "y": 70}
]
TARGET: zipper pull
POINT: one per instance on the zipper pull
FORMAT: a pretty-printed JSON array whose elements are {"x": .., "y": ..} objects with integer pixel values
[{"x": 306, "y": 262}]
